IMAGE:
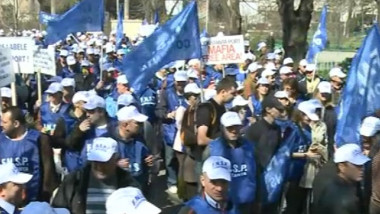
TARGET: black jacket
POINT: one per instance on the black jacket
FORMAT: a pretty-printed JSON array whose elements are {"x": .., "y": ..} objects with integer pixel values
[{"x": 73, "y": 191}]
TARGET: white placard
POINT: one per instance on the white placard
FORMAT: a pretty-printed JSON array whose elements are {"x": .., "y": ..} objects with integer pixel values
[
  {"x": 44, "y": 61},
  {"x": 21, "y": 51},
  {"x": 7, "y": 75},
  {"x": 226, "y": 50}
]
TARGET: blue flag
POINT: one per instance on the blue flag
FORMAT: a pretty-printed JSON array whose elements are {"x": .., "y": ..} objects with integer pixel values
[
  {"x": 46, "y": 17},
  {"x": 178, "y": 39},
  {"x": 87, "y": 15},
  {"x": 319, "y": 38},
  {"x": 156, "y": 18},
  {"x": 204, "y": 33},
  {"x": 362, "y": 91},
  {"x": 119, "y": 28}
]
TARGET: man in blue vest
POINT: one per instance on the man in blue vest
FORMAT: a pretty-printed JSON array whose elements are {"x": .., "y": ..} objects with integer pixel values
[
  {"x": 134, "y": 156},
  {"x": 30, "y": 151},
  {"x": 51, "y": 111},
  {"x": 241, "y": 155},
  {"x": 11, "y": 188},
  {"x": 169, "y": 101},
  {"x": 215, "y": 180},
  {"x": 122, "y": 87}
]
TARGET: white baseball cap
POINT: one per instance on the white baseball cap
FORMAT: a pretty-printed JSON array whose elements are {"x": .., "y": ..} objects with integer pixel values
[
  {"x": 80, "y": 96},
  {"x": 192, "y": 88},
  {"x": 122, "y": 79},
  {"x": 68, "y": 82},
  {"x": 271, "y": 56},
  {"x": 125, "y": 100},
  {"x": 267, "y": 72},
  {"x": 90, "y": 51},
  {"x": 239, "y": 101},
  {"x": 43, "y": 208},
  {"x": 54, "y": 87},
  {"x": 249, "y": 56},
  {"x": 6, "y": 92},
  {"x": 253, "y": 67},
  {"x": 130, "y": 113},
  {"x": 102, "y": 149},
  {"x": 285, "y": 70},
  {"x": 110, "y": 49},
  {"x": 64, "y": 53},
  {"x": 209, "y": 93},
  {"x": 230, "y": 119},
  {"x": 85, "y": 63},
  {"x": 370, "y": 126},
  {"x": 281, "y": 95},
  {"x": 193, "y": 62},
  {"x": 350, "y": 153},
  {"x": 94, "y": 102},
  {"x": 129, "y": 200},
  {"x": 261, "y": 45},
  {"x": 324, "y": 87},
  {"x": 217, "y": 167},
  {"x": 288, "y": 61},
  {"x": 311, "y": 67},
  {"x": 270, "y": 66},
  {"x": 337, "y": 72},
  {"x": 180, "y": 76},
  {"x": 10, "y": 173},
  {"x": 110, "y": 69},
  {"x": 71, "y": 60},
  {"x": 303, "y": 62},
  {"x": 309, "y": 108},
  {"x": 120, "y": 52},
  {"x": 191, "y": 73},
  {"x": 263, "y": 81}
]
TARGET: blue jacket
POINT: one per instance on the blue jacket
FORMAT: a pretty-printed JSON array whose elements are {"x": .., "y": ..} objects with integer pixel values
[
  {"x": 49, "y": 119},
  {"x": 200, "y": 206}
]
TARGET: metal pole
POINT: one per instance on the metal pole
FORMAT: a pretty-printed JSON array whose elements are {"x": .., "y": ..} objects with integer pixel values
[
  {"x": 126, "y": 9},
  {"x": 52, "y": 6}
]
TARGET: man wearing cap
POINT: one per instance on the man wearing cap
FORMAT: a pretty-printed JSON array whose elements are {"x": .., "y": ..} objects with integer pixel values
[
  {"x": 85, "y": 79},
  {"x": 169, "y": 101},
  {"x": 68, "y": 89},
  {"x": 71, "y": 69},
  {"x": 250, "y": 82},
  {"x": 6, "y": 97},
  {"x": 337, "y": 77},
  {"x": 301, "y": 70},
  {"x": 96, "y": 124},
  {"x": 134, "y": 155},
  {"x": 86, "y": 190},
  {"x": 12, "y": 188},
  {"x": 339, "y": 195},
  {"x": 241, "y": 155},
  {"x": 30, "y": 151},
  {"x": 52, "y": 111},
  {"x": 266, "y": 137},
  {"x": 215, "y": 181},
  {"x": 309, "y": 84}
]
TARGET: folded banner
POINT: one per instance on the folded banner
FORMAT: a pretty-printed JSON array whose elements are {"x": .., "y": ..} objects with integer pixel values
[
  {"x": 319, "y": 38},
  {"x": 45, "y": 18},
  {"x": 120, "y": 27},
  {"x": 178, "y": 39},
  {"x": 87, "y": 15},
  {"x": 362, "y": 91}
]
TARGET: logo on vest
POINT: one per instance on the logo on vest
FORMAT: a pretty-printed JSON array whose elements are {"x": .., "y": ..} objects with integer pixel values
[
  {"x": 22, "y": 163},
  {"x": 239, "y": 170}
]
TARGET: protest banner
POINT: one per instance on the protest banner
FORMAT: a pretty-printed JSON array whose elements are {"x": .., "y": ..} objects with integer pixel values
[
  {"x": 7, "y": 75},
  {"x": 226, "y": 50},
  {"x": 44, "y": 61},
  {"x": 21, "y": 52}
]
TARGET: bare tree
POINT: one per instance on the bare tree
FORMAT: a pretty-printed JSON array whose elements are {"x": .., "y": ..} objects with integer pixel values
[{"x": 295, "y": 25}]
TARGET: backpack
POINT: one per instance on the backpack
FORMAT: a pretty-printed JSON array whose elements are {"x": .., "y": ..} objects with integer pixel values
[{"x": 188, "y": 132}]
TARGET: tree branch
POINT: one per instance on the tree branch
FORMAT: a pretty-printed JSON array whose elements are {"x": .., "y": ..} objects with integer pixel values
[{"x": 172, "y": 10}]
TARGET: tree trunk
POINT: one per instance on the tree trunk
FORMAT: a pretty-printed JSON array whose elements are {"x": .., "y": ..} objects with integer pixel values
[{"x": 295, "y": 25}]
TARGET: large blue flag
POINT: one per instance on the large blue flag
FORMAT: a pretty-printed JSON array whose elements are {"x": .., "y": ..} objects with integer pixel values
[
  {"x": 46, "y": 17},
  {"x": 319, "y": 38},
  {"x": 178, "y": 39},
  {"x": 362, "y": 91},
  {"x": 87, "y": 15},
  {"x": 119, "y": 28}
]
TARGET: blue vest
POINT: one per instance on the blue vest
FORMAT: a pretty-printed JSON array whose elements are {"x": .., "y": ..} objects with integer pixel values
[
  {"x": 136, "y": 152},
  {"x": 49, "y": 119},
  {"x": 173, "y": 102},
  {"x": 148, "y": 101},
  {"x": 300, "y": 144},
  {"x": 256, "y": 106},
  {"x": 200, "y": 206},
  {"x": 25, "y": 155},
  {"x": 243, "y": 182}
]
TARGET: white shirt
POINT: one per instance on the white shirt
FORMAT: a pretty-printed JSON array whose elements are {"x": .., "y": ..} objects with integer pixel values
[{"x": 9, "y": 208}]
